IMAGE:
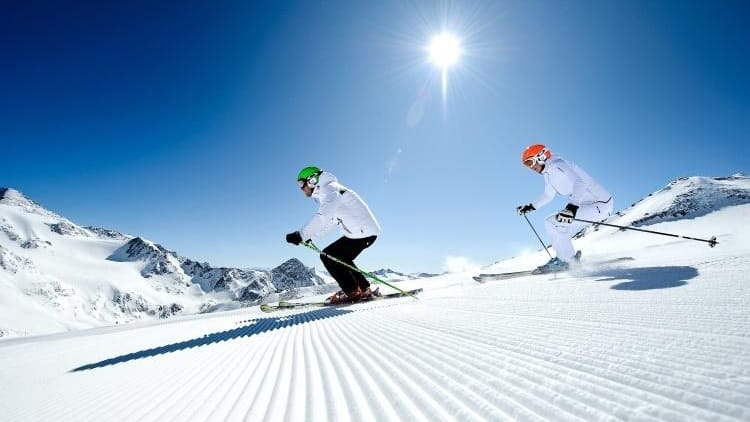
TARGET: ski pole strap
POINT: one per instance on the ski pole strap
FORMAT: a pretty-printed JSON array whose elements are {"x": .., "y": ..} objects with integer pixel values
[
  {"x": 312, "y": 246},
  {"x": 711, "y": 242}
]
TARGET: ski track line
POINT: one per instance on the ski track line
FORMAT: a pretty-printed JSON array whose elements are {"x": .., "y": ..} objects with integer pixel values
[
  {"x": 376, "y": 342},
  {"x": 218, "y": 382},
  {"x": 525, "y": 347},
  {"x": 602, "y": 323},
  {"x": 467, "y": 405},
  {"x": 314, "y": 395},
  {"x": 298, "y": 388},
  {"x": 168, "y": 395},
  {"x": 657, "y": 386},
  {"x": 386, "y": 361},
  {"x": 510, "y": 396},
  {"x": 507, "y": 383},
  {"x": 335, "y": 404},
  {"x": 88, "y": 391},
  {"x": 254, "y": 386},
  {"x": 21, "y": 414},
  {"x": 715, "y": 355},
  {"x": 167, "y": 398},
  {"x": 184, "y": 381},
  {"x": 51, "y": 408},
  {"x": 458, "y": 369},
  {"x": 255, "y": 349},
  {"x": 710, "y": 332},
  {"x": 400, "y": 387},
  {"x": 340, "y": 394},
  {"x": 13, "y": 361},
  {"x": 257, "y": 369},
  {"x": 263, "y": 383},
  {"x": 229, "y": 379},
  {"x": 348, "y": 368},
  {"x": 366, "y": 368},
  {"x": 370, "y": 390},
  {"x": 458, "y": 409},
  {"x": 648, "y": 349},
  {"x": 182, "y": 400},
  {"x": 491, "y": 360},
  {"x": 381, "y": 363},
  {"x": 279, "y": 385},
  {"x": 87, "y": 388},
  {"x": 354, "y": 360},
  {"x": 426, "y": 364}
]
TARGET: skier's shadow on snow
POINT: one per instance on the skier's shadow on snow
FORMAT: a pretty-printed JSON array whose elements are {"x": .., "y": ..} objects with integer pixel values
[
  {"x": 249, "y": 328},
  {"x": 648, "y": 278}
]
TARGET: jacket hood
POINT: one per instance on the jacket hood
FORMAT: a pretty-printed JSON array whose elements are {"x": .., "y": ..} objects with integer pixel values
[
  {"x": 553, "y": 161},
  {"x": 326, "y": 178}
]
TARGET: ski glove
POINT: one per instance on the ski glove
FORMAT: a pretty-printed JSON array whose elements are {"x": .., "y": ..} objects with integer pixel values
[
  {"x": 523, "y": 209},
  {"x": 295, "y": 238},
  {"x": 568, "y": 214}
]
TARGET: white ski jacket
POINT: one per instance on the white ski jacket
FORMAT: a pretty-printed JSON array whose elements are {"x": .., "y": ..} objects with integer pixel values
[
  {"x": 341, "y": 206},
  {"x": 567, "y": 179}
]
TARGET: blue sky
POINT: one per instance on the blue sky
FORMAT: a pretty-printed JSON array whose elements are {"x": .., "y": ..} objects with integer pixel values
[{"x": 186, "y": 122}]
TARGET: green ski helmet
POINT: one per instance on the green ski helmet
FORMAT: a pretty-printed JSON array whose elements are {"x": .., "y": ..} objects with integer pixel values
[{"x": 309, "y": 176}]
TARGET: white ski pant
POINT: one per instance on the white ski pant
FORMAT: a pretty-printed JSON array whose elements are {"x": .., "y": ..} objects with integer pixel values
[{"x": 561, "y": 234}]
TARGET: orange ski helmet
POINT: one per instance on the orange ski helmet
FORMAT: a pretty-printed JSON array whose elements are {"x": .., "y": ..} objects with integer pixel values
[{"x": 535, "y": 154}]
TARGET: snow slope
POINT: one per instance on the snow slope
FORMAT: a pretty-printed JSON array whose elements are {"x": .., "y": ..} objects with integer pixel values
[
  {"x": 663, "y": 337},
  {"x": 58, "y": 276}
]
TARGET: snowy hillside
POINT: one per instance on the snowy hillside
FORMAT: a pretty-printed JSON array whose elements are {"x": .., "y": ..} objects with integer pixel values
[
  {"x": 686, "y": 197},
  {"x": 57, "y": 276},
  {"x": 390, "y": 275},
  {"x": 663, "y": 337}
]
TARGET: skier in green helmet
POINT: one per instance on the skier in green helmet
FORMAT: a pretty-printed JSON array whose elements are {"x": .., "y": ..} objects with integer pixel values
[{"x": 338, "y": 206}]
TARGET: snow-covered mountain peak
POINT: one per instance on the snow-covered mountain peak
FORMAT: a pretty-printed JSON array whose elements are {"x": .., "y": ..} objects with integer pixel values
[
  {"x": 11, "y": 194},
  {"x": 14, "y": 198},
  {"x": 688, "y": 197},
  {"x": 107, "y": 233},
  {"x": 293, "y": 274},
  {"x": 139, "y": 249}
]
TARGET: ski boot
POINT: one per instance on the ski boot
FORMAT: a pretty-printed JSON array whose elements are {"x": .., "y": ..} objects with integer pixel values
[
  {"x": 552, "y": 266},
  {"x": 369, "y": 294},
  {"x": 341, "y": 297}
]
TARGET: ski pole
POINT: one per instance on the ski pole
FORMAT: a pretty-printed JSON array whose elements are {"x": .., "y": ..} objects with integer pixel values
[
  {"x": 537, "y": 236},
  {"x": 312, "y": 246},
  {"x": 711, "y": 242}
]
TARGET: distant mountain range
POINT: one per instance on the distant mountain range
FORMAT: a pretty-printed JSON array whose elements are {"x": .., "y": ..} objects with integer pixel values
[
  {"x": 391, "y": 275},
  {"x": 56, "y": 275}
]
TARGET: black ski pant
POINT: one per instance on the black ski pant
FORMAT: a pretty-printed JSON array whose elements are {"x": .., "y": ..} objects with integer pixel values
[{"x": 346, "y": 249}]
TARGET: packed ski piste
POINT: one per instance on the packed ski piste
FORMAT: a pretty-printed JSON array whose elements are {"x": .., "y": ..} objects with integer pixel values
[{"x": 638, "y": 324}]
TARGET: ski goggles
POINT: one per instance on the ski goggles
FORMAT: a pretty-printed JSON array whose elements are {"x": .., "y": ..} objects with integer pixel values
[
  {"x": 540, "y": 158},
  {"x": 310, "y": 181}
]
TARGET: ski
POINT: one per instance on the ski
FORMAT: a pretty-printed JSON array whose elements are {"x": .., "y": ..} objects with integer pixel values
[
  {"x": 267, "y": 307},
  {"x": 482, "y": 278}
]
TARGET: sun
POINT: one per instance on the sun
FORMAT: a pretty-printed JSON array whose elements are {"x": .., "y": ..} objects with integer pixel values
[{"x": 445, "y": 50}]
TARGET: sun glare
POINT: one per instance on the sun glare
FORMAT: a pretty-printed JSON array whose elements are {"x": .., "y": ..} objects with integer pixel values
[{"x": 444, "y": 50}]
